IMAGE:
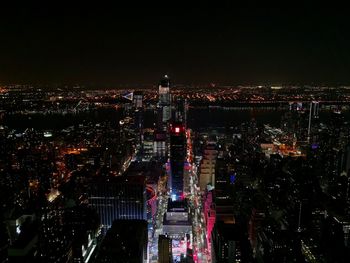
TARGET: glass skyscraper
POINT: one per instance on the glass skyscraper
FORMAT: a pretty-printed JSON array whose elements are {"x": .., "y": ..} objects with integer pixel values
[
  {"x": 177, "y": 159},
  {"x": 122, "y": 197}
]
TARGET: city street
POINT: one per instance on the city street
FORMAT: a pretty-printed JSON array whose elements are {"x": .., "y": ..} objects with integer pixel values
[{"x": 200, "y": 251}]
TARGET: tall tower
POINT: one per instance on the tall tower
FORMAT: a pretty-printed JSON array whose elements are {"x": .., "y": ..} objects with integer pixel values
[
  {"x": 313, "y": 113},
  {"x": 165, "y": 98},
  {"x": 137, "y": 99},
  {"x": 163, "y": 118},
  {"x": 180, "y": 112},
  {"x": 177, "y": 159},
  {"x": 138, "y": 118}
]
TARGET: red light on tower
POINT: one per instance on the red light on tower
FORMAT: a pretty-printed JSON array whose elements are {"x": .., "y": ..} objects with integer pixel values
[
  {"x": 182, "y": 197},
  {"x": 177, "y": 129}
]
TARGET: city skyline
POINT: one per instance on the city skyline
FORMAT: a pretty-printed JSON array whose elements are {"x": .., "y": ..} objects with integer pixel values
[
  {"x": 170, "y": 175},
  {"x": 174, "y": 133}
]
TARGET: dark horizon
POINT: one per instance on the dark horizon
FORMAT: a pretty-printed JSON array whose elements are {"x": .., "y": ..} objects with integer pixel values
[{"x": 217, "y": 43}]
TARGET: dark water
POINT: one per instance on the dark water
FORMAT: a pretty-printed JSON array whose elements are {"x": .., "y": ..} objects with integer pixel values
[
  {"x": 206, "y": 118},
  {"x": 59, "y": 121},
  {"x": 198, "y": 118}
]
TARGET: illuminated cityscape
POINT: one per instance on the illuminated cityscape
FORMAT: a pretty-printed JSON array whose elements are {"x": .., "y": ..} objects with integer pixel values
[{"x": 172, "y": 161}]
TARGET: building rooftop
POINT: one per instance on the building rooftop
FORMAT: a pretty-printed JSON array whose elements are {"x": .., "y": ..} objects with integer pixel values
[
  {"x": 139, "y": 179},
  {"x": 174, "y": 206}
]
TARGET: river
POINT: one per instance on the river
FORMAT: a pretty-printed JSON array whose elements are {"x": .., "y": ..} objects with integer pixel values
[{"x": 197, "y": 118}]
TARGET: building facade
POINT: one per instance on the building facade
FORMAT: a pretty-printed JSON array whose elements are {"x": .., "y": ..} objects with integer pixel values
[
  {"x": 165, "y": 98},
  {"x": 177, "y": 159},
  {"x": 121, "y": 197}
]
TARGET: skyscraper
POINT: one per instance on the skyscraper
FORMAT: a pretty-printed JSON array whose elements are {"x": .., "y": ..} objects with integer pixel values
[
  {"x": 226, "y": 243},
  {"x": 159, "y": 144},
  {"x": 122, "y": 197},
  {"x": 164, "y": 249},
  {"x": 177, "y": 159},
  {"x": 207, "y": 168},
  {"x": 165, "y": 98},
  {"x": 125, "y": 241},
  {"x": 137, "y": 99},
  {"x": 180, "y": 112},
  {"x": 138, "y": 118}
]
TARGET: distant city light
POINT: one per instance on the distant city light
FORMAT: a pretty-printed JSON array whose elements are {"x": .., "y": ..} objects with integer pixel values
[
  {"x": 314, "y": 146},
  {"x": 232, "y": 178},
  {"x": 47, "y": 134}
]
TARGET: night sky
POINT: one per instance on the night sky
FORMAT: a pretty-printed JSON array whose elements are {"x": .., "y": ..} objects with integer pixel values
[{"x": 221, "y": 43}]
